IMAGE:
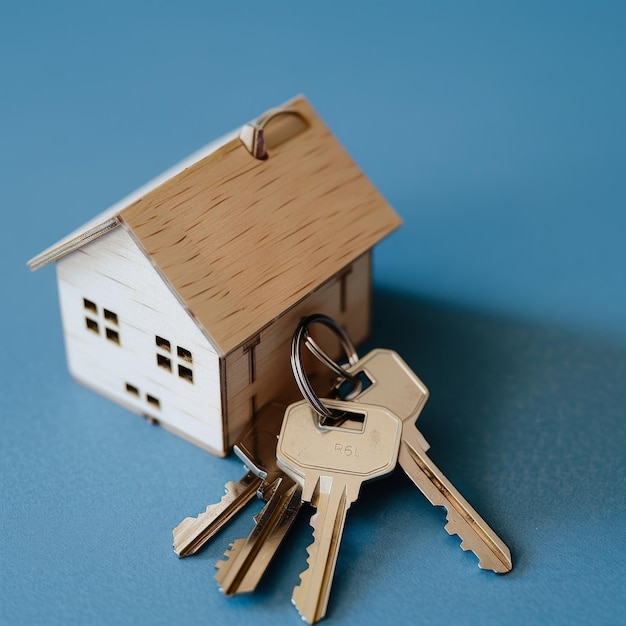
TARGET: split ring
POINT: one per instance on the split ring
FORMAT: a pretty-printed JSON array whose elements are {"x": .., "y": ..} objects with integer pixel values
[{"x": 300, "y": 336}]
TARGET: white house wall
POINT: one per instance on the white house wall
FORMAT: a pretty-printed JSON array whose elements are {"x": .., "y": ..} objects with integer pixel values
[{"x": 112, "y": 273}]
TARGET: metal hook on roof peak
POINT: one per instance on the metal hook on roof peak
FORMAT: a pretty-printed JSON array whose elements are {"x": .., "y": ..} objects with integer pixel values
[{"x": 253, "y": 134}]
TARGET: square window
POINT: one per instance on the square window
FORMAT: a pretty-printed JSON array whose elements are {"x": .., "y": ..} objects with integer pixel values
[
  {"x": 184, "y": 354},
  {"x": 109, "y": 315},
  {"x": 154, "y": 401},
  {"x": 90, "y": 306},
  {"x": 92, "y": 325},
  {"x": 164, "y": 362},
  {"x": 164, "y": 344},
  {"x": 113, "y": 335},
  {"x": 185, "y": 372},
  {"x": 132, "y": 389}
]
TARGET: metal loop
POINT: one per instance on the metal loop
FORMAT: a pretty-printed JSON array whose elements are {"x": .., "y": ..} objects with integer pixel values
[
  {"x": 252, "y": 135},
  {"x": 300, "y": 336}
]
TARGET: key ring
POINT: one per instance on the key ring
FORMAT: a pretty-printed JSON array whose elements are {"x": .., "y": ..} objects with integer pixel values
[{"x": 301, "y": 335}]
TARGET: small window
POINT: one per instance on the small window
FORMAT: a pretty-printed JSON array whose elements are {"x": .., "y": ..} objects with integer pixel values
[
  {"x": 109, "y": 315},
  {"x": 164, "y": 362},
  {"x": 185, "y": 372},
  {"x": 90, "y": 306},
  {"x": 92, "y": 325},
  {"x": 164, "y": 344},
  {"x": 132, "y": 389},
  {"x": 184, "y": 354},
  {"x": 113, "y": 335},
  {"x": 153, "y": 401}
]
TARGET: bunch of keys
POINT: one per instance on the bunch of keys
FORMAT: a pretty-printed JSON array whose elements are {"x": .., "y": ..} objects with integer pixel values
[{"x": 326, "y": 449}]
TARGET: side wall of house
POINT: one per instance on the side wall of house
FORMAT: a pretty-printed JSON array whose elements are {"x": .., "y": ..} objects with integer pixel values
[
  {"x": 259, "y": 371},
  {"x": 128, "y": 337}
]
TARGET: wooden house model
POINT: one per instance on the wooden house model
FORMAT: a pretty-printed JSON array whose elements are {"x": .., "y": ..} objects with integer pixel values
[{"x": 179, "y": 301}]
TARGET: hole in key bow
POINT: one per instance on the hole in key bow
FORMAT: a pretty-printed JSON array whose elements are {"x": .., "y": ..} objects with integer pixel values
[
  {"x": 347, "y": 390},
  {"x": 349, "y": 421}
]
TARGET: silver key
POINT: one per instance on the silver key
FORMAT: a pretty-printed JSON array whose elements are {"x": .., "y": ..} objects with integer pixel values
[
  {"x": 249, "y": 558},
  {"x": 396, "y": 387},
  {"x": 331, "y": 463},
  {"x": 194, "y": 532}
]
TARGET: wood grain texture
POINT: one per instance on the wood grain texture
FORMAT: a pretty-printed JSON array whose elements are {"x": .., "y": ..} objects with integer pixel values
[
  {"x": 242, "y": 240},
  {"x": 273, "y": 379},
  {"x": 224, "y": 256}
]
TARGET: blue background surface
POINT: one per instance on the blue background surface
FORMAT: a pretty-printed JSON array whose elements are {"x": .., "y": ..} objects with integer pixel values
[{"x": 497, "y": 130}]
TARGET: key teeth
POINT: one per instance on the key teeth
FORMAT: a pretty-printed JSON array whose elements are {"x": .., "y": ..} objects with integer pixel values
[
  {"x": 228, "y": 490},
  {"x": 304, "y": 619},
  {"x": 219, "y": 564},
  {"x": 297, "y": 609},
  {"x": 178, "y": 534},
  {"x": 306, "y": 573},
  {"x": 229, "y": 487},
  {"x": 451, "y": 529},
  {"x": 230, "y": 553},
  {"x": 183, "y": 526}
]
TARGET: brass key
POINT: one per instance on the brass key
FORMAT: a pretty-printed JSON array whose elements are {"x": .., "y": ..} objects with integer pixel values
[
  {"x": 194, "y": 532},
  {"x": 248, "y": 559},
  {"x": 395, "y": 386},
  {"x": 331, "y": 464}
]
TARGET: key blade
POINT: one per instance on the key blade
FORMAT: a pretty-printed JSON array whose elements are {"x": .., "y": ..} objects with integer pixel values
[
  {"x": 331, "y": 463},
  {"x": 311, "y": 596},
  {"x": 463, "y": 520},
  {"x": 194, "y": 532},
  {"x": 249, "y": 558}
]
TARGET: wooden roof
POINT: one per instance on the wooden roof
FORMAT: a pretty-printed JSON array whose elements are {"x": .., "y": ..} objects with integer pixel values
[{"x": 240, "y": 240}]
